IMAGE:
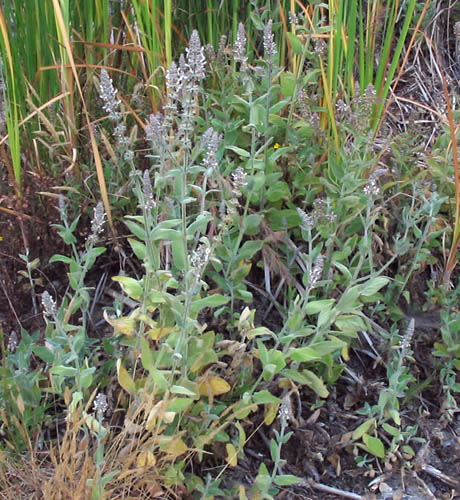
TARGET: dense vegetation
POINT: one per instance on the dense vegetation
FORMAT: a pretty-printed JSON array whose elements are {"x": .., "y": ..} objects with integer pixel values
[{"x": 229, "y": 236}]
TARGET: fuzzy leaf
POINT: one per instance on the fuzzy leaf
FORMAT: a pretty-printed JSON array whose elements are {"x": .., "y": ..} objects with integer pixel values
[
  {"x": 44, "y": 353},
  {"x": 317, "y": 306},
  {"x": 314, "y": 382},
  {"x": 130, "y": 286},
  {"x": 296, "y": 44},
  {"x": 265, "y": 397},
  {"x": 286, "y": 480},
  {"x": 136, "y": 229},
  {"x": 214, "y": 300},
  {"x": 60, "y": 258},
  {"x": 288, "y": 82},
  {"x": 239, "y": 151},
  {"x": 65, "y": 371},
  {"x": 374, "y": 445},
  {"x": 304, "y": 354},
  {"x": 139, "y": 248},
  {"x": 249, "y": 249},
  {"x": 373, "y": 286},
  {"x": 363, "y": 428},
  {"x": 178, "y": 405},
  {"x": 350, "y": 322}
]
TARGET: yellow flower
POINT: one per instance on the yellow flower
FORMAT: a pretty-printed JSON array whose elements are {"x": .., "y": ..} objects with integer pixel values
[{"x": 276, "y": 146}]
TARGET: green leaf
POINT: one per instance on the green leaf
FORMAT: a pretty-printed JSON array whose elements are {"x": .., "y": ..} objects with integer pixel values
[
  {"x": 317, "y": 306},
  {"x": 65, "y": 371},
  {"x": 159, "y": 378},
  {"x": 280, "y": 220},
  {"x": 303, "y": 354},
  {"x": 249, "y": 249},
  {"x": 239, "y": 151},
  {"x": 130, "y": 286},
  {"x": 265, "y": 397},
  {"x": 343, "y": 269},
  {"x": 244, "y": 295},
  {"x": 287, "y": 479},
  {"x": 251, "y": 224},
  {"x": 86, "y": 377},
  {"x": 373, "y": 286},
  {"x": 288, "y": 83},
  {"x": 166, "y": 234},
  {"x": 136, "y": 229},
  {"x": 257, "y": 117},
  {"x": 76, "y": 398},
  {"x": 179, "y": 404},
  {"x": 325, "y": 347},
  {"x": 146, "y": 356},
  {"x": 277, "y": 191},
  {"x": 139, "y": 248},
  {"x": 90, "y": 257},
  {"x": 156, "y": 297},
  {"x": 60, "y": 258},
  {"x": 199, "y": 225},
  {"x": 263, "y": 478},
  {"x": 350, "y": 322},
  {"x": 348, "y": 302},
  {"x": 364, "y": 428},
  {"x": 263, "y": 352},
  {"x": 44, "y": 353},
  {"x": 273, "y": 449},
  {"x": 393, "y": 431},
  {"x": 314, "y": 382},
  {"x": 180, "y": 389},
  {"x": 79, "y": 340},
  {"x": 178, "y": 252},
  {"x": 374, "y": 445},
  {"x": 276, "y": 108},
  {"x": 260, "y": 330},
  {"x": 214, "y": 300},
  {"x": 296, "y": 44}
]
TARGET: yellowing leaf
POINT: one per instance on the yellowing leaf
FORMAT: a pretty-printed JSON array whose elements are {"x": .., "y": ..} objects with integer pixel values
[
  {"x": 365, "y": 427},
  {"x": 159, "y": 414},
  {"x": 345, "y": 353},
  {"x": 159, "y": 333},
  {"x": 174, "y": 446},
  {"x": 125, "y": 324},
  {"x": 93, "y": 424},
  {"x": 232, "y": 458},
  {"x": 146, "y": 459},
  {"x": 242, "y": 493},
  {"x": 213, "y": 386},
  {"x": 270, "y": 412},
  {"x": 20, "y": 403},
  {"x": 124, "y": 379}
]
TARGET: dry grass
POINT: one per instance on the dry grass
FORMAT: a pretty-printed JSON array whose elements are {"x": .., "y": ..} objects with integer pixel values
[{"x": 67, "y": 469}]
